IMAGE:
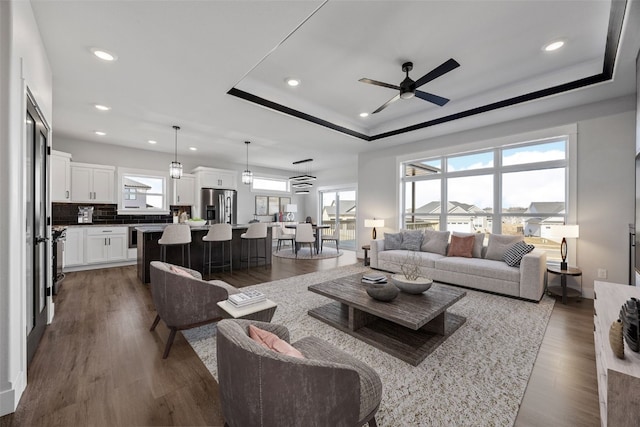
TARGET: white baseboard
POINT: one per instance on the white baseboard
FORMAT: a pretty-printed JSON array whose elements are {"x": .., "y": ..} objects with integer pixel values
[
  {"x": 9, "y": 399},
  {"x": 97, "y": 266}
]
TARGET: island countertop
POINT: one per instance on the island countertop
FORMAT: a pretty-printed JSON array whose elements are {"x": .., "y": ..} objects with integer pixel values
[{"x": 154, "y": 228}]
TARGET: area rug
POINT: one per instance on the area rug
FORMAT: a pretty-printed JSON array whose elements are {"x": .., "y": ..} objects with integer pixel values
[
  {"x": 305, "y": 253},
  {"x": 477, "y": 377}
]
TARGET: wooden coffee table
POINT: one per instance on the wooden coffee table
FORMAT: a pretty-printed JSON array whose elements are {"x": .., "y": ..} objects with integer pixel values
[{"x": 410, "y": 327}]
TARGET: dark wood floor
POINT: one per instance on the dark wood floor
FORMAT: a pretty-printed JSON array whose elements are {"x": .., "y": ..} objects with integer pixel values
[{"x": 99, "y": 365}]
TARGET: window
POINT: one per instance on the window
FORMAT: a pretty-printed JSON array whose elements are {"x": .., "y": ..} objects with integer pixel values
[
  {"x": 279, "y": 185},
  {"x": 142, "y": 192},
  {"x": 515, "y": 189}
]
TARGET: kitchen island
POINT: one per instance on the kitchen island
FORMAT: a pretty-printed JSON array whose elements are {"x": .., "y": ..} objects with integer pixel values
[{"x": 149, "y": 249}]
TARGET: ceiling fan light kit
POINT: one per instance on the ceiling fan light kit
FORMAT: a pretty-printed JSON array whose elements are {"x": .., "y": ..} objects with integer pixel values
[{"x": 408, "y": 87}]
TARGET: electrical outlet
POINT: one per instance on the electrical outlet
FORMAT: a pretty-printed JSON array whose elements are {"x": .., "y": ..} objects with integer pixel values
[{"x": 602, "y": 273}]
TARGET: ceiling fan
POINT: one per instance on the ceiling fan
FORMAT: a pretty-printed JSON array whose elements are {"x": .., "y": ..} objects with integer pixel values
[{"x": 408, "y": 88}]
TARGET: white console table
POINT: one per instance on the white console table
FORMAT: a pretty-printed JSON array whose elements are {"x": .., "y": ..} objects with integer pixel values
[{"x": 618, "y": 379}]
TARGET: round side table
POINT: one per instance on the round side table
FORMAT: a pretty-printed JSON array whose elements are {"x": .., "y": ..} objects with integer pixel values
[{"x": 563, "y": 290}]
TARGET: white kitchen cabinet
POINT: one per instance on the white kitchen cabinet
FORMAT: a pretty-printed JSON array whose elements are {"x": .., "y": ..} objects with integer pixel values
[
  {"x": 215, "y": 178},
  {"x": 184, "y": 190},
  {"x": 92, "y": 183},
  {"x": 60, "y": 165},
  {"x": 74, "y": 247},
  {"x": 106, "y": 244}
]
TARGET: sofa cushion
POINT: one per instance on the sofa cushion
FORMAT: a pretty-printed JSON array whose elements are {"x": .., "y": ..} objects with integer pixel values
[
  {"x": 411, "y": 240},
  {"x": 514, "y": 253},
  {"x": 498, "y": 245},
  {"x": 479, "y": 267},
  {"x": 392, "y": 241},
  {"x": 477, "y": 247},
  {"x": 435, "y": 241},
  {"x": 273, "y": 342},
  {"x": 461, "y": 246}
]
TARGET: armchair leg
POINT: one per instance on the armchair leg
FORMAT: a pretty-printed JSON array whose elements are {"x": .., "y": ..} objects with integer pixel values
[
  {"x": 172, "y": 336},
  {"x": 155, "y": 322},
  {"x": 372, "y": 422}
]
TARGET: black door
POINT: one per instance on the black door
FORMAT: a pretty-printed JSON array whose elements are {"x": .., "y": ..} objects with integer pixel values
[{"x": 36, "y": 228}]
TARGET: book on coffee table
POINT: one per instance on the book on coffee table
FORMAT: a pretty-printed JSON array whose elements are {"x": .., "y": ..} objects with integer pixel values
[
  {"x": 374, "y": 278},
  {"x": 246, "y": 298}
]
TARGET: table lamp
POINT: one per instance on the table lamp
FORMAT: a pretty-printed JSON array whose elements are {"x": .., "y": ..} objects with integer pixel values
[
  {"x": 291, "y": 209},
  {"x": 369, "y": 223},
  {"x": 561, "y": 231}
]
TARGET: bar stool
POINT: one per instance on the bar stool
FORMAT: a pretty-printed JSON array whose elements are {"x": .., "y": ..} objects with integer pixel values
[
  {"x": 217, "y": 233},
  {"x": 174, "y": 235},
  {"x": 255, "y": 232}
]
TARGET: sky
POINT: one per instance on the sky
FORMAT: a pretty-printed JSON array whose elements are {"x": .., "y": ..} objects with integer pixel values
[{"x": 519, "y": 188}]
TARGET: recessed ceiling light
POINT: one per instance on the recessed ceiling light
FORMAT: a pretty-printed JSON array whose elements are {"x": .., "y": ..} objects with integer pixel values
[
  {"x": 100, "y": 133},
  {"x": 553, "y": 46},
  {"x": 151, "y": 141},
  {"x": 103, "y": 54},
  {"x": 193, "y": 149},
  {"x": 292, "y": 81},
  {"x": 364, "y": 114},
  {"x": 102, "y": 107}
]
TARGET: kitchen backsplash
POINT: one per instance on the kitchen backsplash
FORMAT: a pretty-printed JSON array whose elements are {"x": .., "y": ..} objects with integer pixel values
[{"x": 67, "y": 214}]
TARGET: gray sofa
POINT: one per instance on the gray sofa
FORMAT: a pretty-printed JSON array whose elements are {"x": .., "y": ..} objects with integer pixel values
[{"x": 526, "y": 281}]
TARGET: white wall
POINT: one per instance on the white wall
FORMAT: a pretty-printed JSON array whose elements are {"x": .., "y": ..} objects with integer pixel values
[
  {"x": 606, "y": 170},
  {"x": 116, "y": 155},
  {"x": 23, "y": 63}
]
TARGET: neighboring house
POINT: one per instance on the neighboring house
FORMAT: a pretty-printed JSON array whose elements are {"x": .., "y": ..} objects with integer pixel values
[
  {"x": 347, "y": 211},
  {"x": 461, "y": 217},
  {"x": 135, "y": 194},
  {"x": 532, "y": 226}
]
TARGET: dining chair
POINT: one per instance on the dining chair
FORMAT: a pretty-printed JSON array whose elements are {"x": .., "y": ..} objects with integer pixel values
[
  {"x": 283, "y": 236},
  {"x": 335, "y": 236},
  {"x": 304, "y": 234}
]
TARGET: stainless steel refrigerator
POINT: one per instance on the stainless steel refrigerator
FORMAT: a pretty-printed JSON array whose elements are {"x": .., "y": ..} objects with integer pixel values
[{"x": 219, "y": 206}]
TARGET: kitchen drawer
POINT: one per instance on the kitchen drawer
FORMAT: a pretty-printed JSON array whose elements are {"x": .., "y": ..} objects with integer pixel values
[{"x": 102, "y": 231}]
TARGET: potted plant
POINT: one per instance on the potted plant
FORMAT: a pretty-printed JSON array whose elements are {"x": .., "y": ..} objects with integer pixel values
[{"x": 410, "y": 280}]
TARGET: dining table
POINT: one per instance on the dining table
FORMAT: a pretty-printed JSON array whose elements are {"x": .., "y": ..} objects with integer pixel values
[{"x": 317, "y": 233}]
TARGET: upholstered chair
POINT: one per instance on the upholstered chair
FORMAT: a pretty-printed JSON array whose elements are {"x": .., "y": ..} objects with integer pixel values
[
  {"x": 219, "y": 233},
  {"x": 183, "y": 300},
  {"x": 335, "y": 236},
  {"x": 255, "y": 232},
  {"x": 260, "y": 387},
  {"x": 176, "y": 235},
  {"x": 304, "y": 234},
  {"x": 283, "y": 236}
]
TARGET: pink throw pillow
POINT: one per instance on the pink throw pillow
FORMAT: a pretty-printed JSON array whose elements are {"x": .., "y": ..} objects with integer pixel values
[
  {"x": 272, "y": 342},
  {"x": 461, "y": 246},
  {"x": 179, "y": 271}
]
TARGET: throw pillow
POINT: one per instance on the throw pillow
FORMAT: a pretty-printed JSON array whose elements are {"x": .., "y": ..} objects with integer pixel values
[
  {"x": 477, "y": 247},
  {"x": 514, "y": 253},
  {"x": 498, "y": 245},
  {"x": 411, "y": 240},
  {"x": 273, "y": 342},
  {"x": 392, "y": 241},
  {"x": 435, "y": 241},
  {"x": 180, "y": 271},
  {"x": 461, "y": 246}
]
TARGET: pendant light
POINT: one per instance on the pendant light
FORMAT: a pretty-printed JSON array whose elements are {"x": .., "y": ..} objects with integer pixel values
[
  {"x": 175, "y": 168},
  {"x": 247, "y": 175}
]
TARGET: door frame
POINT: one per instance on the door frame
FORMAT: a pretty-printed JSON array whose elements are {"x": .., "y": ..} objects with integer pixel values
[{"x": 338, "y": 189}]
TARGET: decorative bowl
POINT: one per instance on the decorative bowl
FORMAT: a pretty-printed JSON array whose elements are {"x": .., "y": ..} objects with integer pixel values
[
  {"x": 382, "y": 291},
  {"x": 415, "y": 287},
  {"x": 197, "y": 223}
]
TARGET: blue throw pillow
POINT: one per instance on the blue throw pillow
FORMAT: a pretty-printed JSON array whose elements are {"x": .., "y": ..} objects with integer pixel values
[{"x": 392, "y": 241}]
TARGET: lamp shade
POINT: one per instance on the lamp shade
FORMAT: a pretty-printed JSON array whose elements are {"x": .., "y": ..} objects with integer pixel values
[
  {"x": 291, "y": 208},
  {"x": 560, "y": 231},
  {"x": 372, "y": 223}
]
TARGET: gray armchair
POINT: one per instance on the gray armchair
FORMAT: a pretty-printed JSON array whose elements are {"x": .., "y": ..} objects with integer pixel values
[
  {"x": 185, "y": 302},
  {"x": 261, "y": 387}
]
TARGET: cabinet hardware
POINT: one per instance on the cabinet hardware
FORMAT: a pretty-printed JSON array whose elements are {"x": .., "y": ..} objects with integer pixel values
[{"x": 66, "y": 194}]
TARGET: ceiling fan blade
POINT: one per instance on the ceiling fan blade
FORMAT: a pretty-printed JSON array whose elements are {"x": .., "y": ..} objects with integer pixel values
[
  {"x": 377, "y": 83},
  {"x": 444, "y": 68},
  {"x": 435, "y": 99},
  {"x": 386, "y": 104}
]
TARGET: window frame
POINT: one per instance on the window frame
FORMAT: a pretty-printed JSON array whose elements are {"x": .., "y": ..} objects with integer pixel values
[
  {"x": 567, "y": 133},
  {"x": 271, "y": 178},
  {"x": 164, "y": 176}
]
